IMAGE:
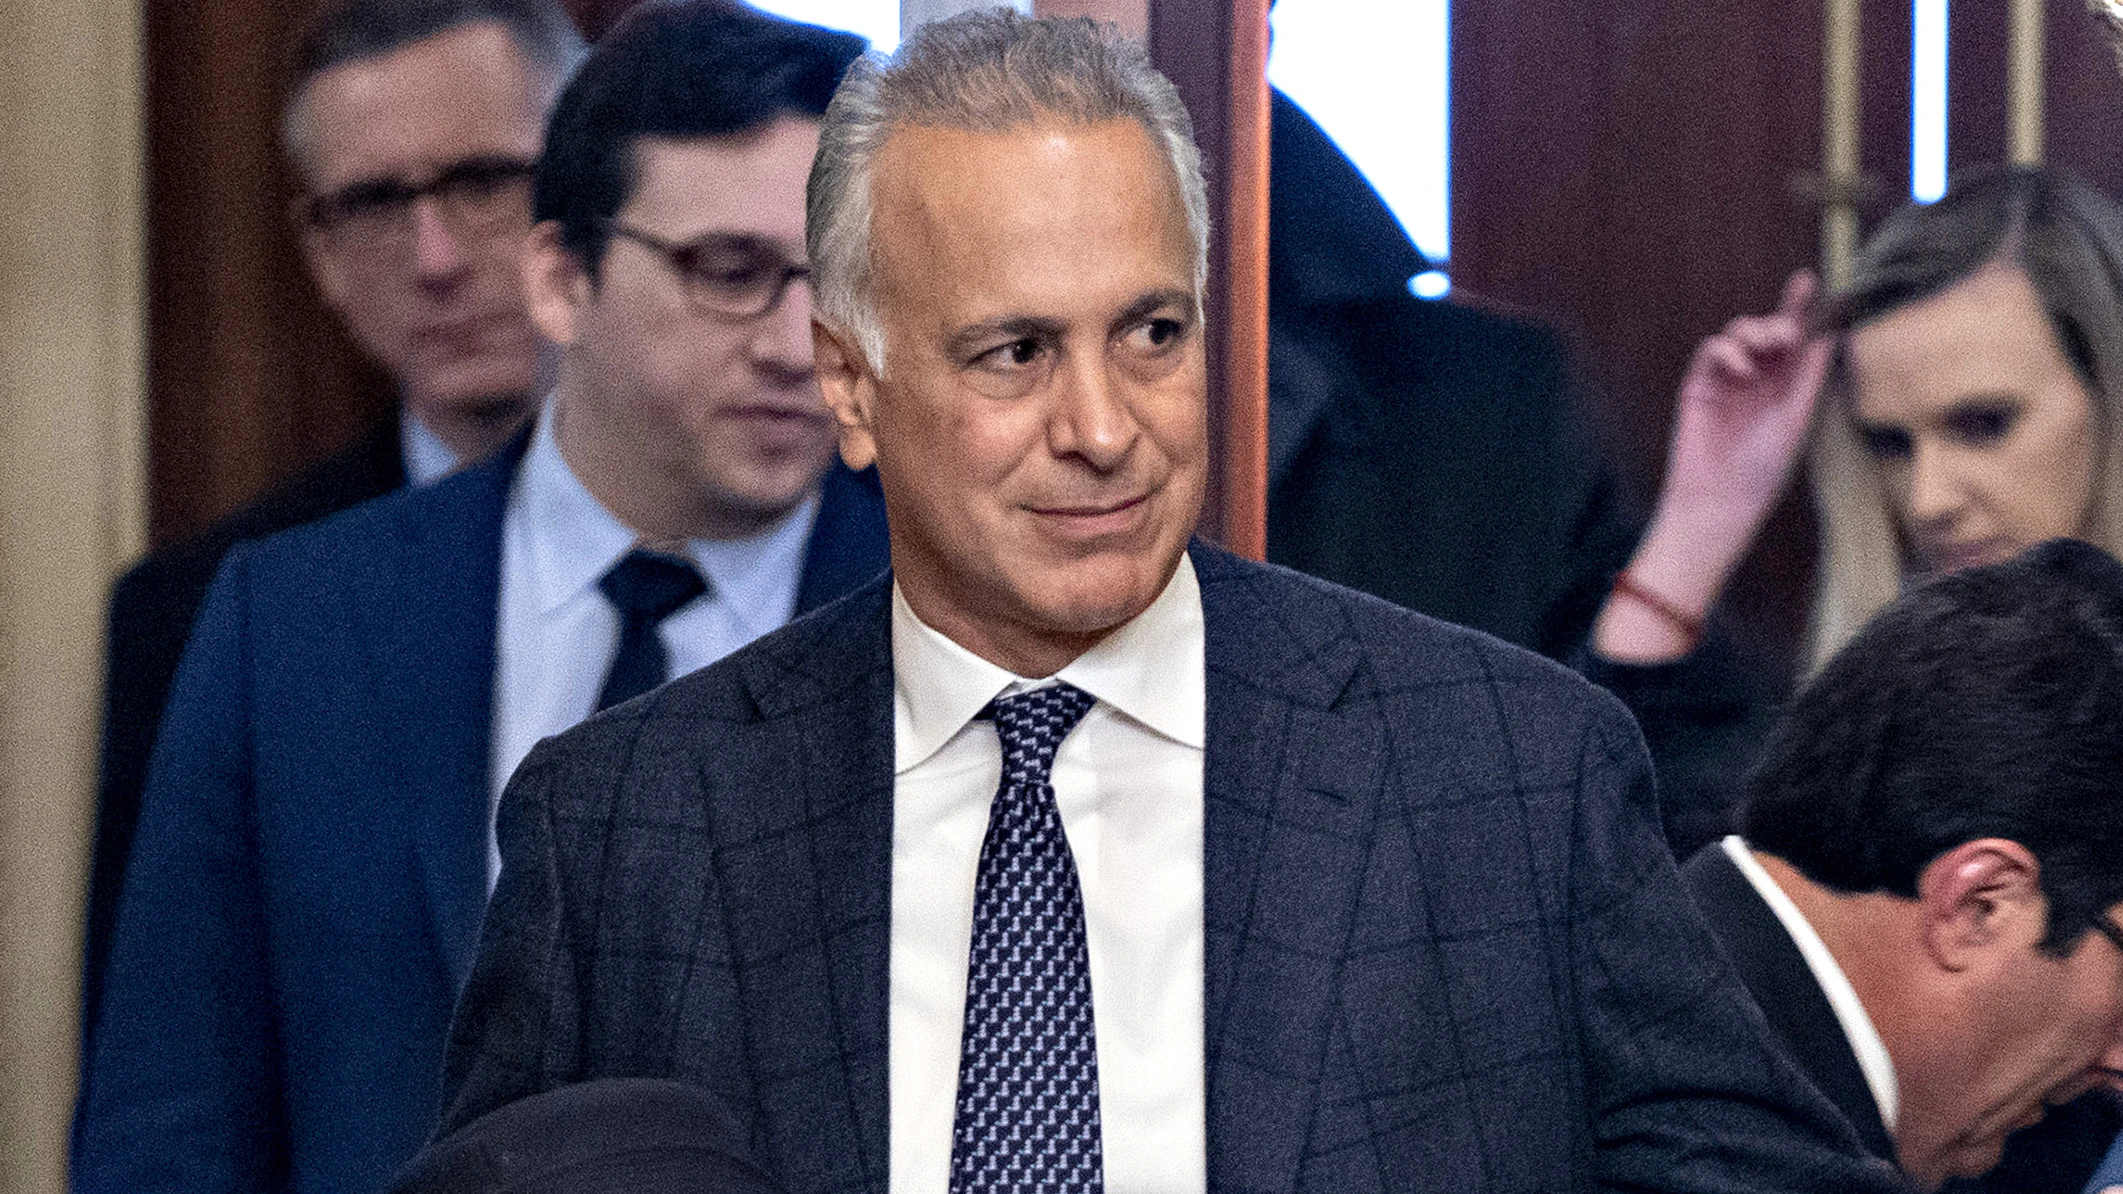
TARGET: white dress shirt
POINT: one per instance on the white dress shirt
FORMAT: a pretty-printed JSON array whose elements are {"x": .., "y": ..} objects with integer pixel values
[
  {"x": 427, "y": 458},
  {"x": 1128, "y": 781},
  {"x": 556, "y": 633},
  {"x": 1858, "y": 1028}
]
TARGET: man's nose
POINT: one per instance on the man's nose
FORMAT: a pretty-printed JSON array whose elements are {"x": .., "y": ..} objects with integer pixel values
[
  {"x": 1092, "y": 419},
  {"x": 780, "y": 342},
  {"x": 440, "y": 256}
]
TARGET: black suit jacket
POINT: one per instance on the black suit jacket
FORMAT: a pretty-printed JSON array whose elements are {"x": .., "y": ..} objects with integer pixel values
[
  {"x": 152, "y": 609},
  {"x": 1776, "y": 973},
  {"x": 1445, "y": 948},
  {"x": 2055, "y": 1156},
  {"x": 1429, "y": 453},
  {"x": 1435, "y": 454}
]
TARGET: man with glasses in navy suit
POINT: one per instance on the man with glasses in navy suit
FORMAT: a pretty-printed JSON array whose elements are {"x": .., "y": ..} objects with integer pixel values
[{"x": 315, "y": 849}]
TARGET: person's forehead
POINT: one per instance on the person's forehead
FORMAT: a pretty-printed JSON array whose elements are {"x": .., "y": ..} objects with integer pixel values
[
  {"x": 467, "y": 91},
  {"x": 987, "y": 174},
  {"x": 750, "y": 184},
  {"x": 1984, "y": 333},
  {"x": 1040, "y": 208}
]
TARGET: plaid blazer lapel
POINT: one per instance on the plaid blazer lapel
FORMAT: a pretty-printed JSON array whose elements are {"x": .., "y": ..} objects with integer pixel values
[
  {"x": 808, "y": 880},
  {"x": 1291, "y": 781}
]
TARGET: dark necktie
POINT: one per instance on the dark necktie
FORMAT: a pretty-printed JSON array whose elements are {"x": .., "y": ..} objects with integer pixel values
[
  {"x": 645, "y": 587},
  {"x": 1027, "y": 1118}
]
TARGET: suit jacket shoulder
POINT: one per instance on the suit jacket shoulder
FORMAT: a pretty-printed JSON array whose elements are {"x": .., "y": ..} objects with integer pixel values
[
  {"x": 1329, "y": 634},
  {"x": 152, "y": 608},
  {"x": 1783, "y": 985},
  {"x": 310, "y": 865},
  {"x": 848, "y": 545}
]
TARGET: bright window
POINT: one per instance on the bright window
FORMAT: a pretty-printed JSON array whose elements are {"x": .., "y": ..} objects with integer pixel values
[
  {"x": 1927, "y": 134},
  {"x": 1376, "y": 75},
  {"x": 877, "y": 20}
]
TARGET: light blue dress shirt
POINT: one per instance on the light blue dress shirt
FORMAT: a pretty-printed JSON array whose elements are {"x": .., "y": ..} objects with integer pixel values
[
  {"x": 556, "y": 633},
  {"x": 427, "y": 458}
]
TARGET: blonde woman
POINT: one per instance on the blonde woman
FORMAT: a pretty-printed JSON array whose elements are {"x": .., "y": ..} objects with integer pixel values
[{"x": 1961, "y": 395}]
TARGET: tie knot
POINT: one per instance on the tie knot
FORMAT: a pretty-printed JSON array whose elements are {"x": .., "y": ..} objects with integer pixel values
[
  {"x": 649, "y": 586},
  {"x": 1033, "y": 724}
]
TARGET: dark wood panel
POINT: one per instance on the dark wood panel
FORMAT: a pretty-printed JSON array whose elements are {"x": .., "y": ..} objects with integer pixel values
[
  {"x": 249, "y": 377},
  {"x": 2083, "y": 91},
  {"x": 1215, "y": 52},
  {"x": 1635, "y": 171},
  {"x": 2085, "y": 96}
]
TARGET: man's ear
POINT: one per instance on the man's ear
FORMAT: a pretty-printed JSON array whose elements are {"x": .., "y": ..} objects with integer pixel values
[
  {"x": 850, "y": 391},
  {"x": 1979, "y": 897},
  {"x": 556, "y": 287}
]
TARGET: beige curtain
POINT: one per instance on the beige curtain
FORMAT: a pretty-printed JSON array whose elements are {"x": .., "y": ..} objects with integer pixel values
[{"x": 71, "y": 511}]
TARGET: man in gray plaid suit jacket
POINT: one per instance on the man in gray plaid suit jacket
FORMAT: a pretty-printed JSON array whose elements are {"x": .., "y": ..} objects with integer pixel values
[{"x": 1317, "y": 895}]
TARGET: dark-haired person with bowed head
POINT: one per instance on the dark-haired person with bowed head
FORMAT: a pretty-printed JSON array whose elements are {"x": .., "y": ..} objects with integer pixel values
[
  {"x": 315, "y": 849},
  {"x": 1928, "y": 899}
]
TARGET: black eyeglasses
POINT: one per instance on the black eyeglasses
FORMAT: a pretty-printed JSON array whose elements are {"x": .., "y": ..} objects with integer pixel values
[
  {"x": 472, "y": 195},
  {"x": 737, "y": 277}
]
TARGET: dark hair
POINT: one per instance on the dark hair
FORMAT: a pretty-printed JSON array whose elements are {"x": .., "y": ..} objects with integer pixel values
[
  {"x": 696, "y": 68},
  {"x": 1984, "y": 703},
  {"x": 351, "y": 30}
]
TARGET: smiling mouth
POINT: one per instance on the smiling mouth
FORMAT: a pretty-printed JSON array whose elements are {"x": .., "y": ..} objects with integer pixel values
[{"x": 1091, "y": 511}]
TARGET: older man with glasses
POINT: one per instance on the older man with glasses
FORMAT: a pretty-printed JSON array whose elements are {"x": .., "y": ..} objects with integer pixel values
[
  {"x": 413, "y": 127},
  {"x": 314, "y": 853}
]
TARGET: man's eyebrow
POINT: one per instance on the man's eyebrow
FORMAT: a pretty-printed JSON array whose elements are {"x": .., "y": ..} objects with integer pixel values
[
  {"x": 1003, "y": 329},
  {"x": 1153, "y": 302}
]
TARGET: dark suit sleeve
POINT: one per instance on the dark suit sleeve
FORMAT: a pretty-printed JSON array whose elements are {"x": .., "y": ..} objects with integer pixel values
[
  {"x": 1704, "y": 718},
  {"x": 517, "y": 1028},
  {"x": 1687, "y": 1089},
  {"x": 151, "y": 613},
  {"x": 152, "y": 610},
  {"x": 180, "y": 1088}
]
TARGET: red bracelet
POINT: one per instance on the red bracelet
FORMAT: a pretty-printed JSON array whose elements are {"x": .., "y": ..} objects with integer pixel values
[{"x": 1627, "y": 586}]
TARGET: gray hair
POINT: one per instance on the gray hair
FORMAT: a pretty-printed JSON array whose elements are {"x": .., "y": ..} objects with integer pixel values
[{"x": 989, "y": 71}]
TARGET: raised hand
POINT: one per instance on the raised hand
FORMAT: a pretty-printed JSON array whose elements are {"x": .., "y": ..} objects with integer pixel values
[{"x": 1744, "y": 406}]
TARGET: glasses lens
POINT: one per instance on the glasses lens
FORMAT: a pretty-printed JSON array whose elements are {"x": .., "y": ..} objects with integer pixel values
[
  {"x": 368, "y": 204},
  {"x": 474, "y": 195},
  {"x": 482, "y": 191},
  {"x": 734, "y": 276}
]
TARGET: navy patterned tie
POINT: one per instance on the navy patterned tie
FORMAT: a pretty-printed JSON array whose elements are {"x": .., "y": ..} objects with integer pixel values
[
  {"x": 1027, "y": 1118},
  {"x": 645, "y": 587}
]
